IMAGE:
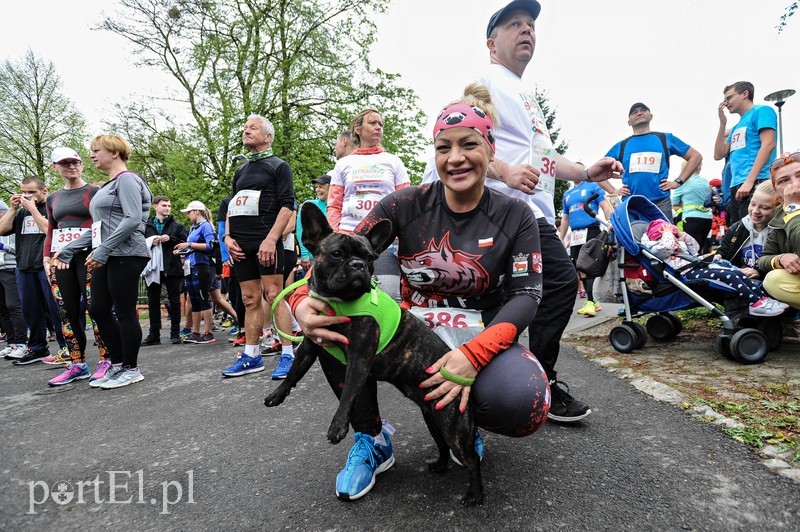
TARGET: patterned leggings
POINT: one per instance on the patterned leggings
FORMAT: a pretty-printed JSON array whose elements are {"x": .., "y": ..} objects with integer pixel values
[
  {"x": 69, "y": 287},
  {"x": 731, "y": 277}
]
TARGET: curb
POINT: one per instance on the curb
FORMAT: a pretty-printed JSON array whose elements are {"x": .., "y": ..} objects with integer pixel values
[{"x": 770, "y": 455}]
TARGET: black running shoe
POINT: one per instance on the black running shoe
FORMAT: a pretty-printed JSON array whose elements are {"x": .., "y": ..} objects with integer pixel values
[
  {"x": 31, "y": 357},
  {"x": 152, "y": 339},
  {"x": 563, "y": 407}
]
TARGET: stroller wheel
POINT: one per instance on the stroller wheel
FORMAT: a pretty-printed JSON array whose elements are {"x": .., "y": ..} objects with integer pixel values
[
  {"x": 724, "y": 347},
  {"x": 773, "y": 330},
  {"x": 661, "y": 328},
  {"x": 676, "y": 322},
  {"x": 749, "y": 346},
  {"x": 623, "y": 338},
  {"x": 641, "y": 334}
]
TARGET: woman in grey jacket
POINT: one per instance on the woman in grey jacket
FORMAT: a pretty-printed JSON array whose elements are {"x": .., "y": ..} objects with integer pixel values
[{"x": 119, "y": 254}]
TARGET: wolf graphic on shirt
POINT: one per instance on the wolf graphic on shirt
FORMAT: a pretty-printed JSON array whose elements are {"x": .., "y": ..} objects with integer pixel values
[{"x": 440, "y": 269}]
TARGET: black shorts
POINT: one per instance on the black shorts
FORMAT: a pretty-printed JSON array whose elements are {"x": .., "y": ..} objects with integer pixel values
[{"x": 249, "y": 268}]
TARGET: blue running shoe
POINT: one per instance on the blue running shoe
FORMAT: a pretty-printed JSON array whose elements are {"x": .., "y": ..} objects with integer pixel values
[
  {"x": 284, "y": 365},
  {"x": 184, "y": 333},
  {"x": 478, "y": 447},
  {"x": 234, "y": 330},
  {"x": 365, "y": 460},
  {"x": 244, "y": 365}
]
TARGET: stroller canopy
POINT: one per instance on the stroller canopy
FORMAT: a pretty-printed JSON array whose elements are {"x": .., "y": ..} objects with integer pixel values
[{"x": 624, "y": 218}]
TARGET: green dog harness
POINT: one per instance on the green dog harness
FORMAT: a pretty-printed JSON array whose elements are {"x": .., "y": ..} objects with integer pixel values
[{"x": 376, "y": 304}]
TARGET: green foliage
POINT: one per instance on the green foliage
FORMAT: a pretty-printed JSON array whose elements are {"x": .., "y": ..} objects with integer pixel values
[
  {"x": 302, "y": 64},
  {"x": 791, "y": 9},
  {"x": 35, "y": 118}
]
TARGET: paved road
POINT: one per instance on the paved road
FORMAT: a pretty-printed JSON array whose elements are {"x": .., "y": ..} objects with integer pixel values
[{"x": 635, "y": 464}]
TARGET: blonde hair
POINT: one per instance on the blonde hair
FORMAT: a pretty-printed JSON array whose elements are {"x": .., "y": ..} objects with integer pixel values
[
  {"x": 478, "y": 95},
  {"x": 113, "y": 144},
  {"x": 358, "y": 121},
  {"x": 767, "y": 188}
]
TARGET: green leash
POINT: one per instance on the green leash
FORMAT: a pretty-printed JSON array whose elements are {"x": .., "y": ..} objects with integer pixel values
[{"x": 283, "y": 294}]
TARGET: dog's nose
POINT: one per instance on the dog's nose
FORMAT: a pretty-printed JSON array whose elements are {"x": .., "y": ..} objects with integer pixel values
[{"x": 358, "y": 265}]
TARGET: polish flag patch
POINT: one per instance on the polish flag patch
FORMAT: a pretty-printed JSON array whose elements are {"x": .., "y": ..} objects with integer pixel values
[{"x": 485, "y": 242}]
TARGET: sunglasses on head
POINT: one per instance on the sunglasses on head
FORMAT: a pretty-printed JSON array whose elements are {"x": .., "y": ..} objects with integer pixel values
[{"x": 783, "y": 161}]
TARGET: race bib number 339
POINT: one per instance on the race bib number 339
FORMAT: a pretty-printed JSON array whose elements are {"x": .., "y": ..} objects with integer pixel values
[{"x": 62, "y": 237}]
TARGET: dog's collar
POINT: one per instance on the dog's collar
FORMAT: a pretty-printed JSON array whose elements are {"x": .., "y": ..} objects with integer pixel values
[{"x": 376, "y": 303}]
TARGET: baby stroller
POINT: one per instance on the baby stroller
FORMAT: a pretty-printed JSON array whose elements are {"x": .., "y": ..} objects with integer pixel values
[{"x": 660, "y": 289}]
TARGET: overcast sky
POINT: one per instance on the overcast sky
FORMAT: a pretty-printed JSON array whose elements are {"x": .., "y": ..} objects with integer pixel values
[{"x": 594, "y": 58}]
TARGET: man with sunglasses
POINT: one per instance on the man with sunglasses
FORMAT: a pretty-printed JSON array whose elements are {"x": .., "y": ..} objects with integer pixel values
[
  {"x": 781, "y": 255},
  {"x": 750, "y": 144}
]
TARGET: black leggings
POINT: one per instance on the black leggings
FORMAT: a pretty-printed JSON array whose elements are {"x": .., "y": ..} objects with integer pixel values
[
  {"x": 71, "y": 289},
  {"x": 510, "y": 395},
  {"x": 198, "y": 285},
  {"x": 115, "y": 289}
]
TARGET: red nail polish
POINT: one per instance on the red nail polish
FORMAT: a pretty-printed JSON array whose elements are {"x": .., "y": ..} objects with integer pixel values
[
  {"x": 462, "y": 409},
  {"x": 439, "y": 407},
  {"x": 421, "y": 386},
  {"x": 346, "y": 341},
  {"x": 426, "y": 398},
  {"x": 347, "y": 320},
  {"x": 429, "y": 369}
]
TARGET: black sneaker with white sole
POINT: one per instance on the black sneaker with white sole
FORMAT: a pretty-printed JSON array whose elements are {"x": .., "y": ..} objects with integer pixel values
[
  {"x": 563, "y": 407},
  {"x": 31, "y": 357}
]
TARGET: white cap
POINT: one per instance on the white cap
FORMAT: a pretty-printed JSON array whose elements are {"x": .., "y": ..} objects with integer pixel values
[
  {"x": 194, "y": 206},
  {"x": 61, "y": 154}
]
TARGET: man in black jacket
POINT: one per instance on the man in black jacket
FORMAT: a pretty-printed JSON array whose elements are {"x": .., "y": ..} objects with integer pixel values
[{"x": 167, "y": 233}]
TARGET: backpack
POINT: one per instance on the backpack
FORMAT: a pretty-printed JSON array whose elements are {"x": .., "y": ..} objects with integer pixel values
[{"x": 661, "y": 136}]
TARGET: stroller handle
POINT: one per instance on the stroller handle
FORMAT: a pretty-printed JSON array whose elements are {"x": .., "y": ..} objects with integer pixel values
[{"x": 587, "y": 205}]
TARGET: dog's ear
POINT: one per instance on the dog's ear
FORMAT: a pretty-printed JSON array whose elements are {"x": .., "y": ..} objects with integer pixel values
[
  {"x": 380, "y": 236},
  {"x": 315, "y": 227}
]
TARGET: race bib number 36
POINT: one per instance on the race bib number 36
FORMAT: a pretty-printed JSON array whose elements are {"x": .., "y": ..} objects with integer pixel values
[
  {"x": 244, "y": 203},
  {"x": 645, "y": 161},
  {"x": 544, "y": 159},
  {"x": 62, "y": 237},
  {"x": 458, "y": 318}
]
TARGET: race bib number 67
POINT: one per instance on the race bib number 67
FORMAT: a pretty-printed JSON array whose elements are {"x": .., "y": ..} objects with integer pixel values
[{"x": 244, "y": 203}]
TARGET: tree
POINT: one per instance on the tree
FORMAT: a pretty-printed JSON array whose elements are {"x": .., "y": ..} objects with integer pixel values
[
  {"x": 561, "y": 146},
  {"x": 35, "y": 117},
  {"x": 302, "y": 64},
  {"x": 791, "y": 9}
]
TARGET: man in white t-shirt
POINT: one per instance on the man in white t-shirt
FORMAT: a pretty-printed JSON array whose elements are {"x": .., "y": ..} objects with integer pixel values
[{"x": 526, "y": 166}]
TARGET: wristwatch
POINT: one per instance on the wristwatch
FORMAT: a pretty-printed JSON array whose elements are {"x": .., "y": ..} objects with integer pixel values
[
  {"x": 792, "y": 207},
  {"x": 679, "y": 181}
]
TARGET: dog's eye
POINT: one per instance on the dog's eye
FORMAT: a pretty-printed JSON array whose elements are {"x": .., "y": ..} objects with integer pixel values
[{"x": 336, "y": 254}]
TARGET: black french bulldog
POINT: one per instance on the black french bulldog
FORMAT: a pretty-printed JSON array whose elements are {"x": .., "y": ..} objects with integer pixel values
[{"x": 343, "y": 270}]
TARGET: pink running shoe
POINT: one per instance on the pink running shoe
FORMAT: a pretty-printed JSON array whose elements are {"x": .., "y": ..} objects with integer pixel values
[
  {"x": 101, "y": 370},
  {"x": 74, "y": 372},
  {"x": 766, "y": 306}
]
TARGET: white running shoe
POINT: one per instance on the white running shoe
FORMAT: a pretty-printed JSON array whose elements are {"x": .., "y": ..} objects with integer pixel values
[
  {"x": 766, "y": 306},
  {"x": 123, "y": 378}
]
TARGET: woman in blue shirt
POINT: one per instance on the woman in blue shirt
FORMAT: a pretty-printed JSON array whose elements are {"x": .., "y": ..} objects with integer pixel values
[
  {"x": 584, "y": 228},
  {"x": 197, "y": 269}
]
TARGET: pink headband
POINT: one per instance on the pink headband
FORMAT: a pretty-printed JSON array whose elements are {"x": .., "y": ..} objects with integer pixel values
[{"x": 465, "y": 115}]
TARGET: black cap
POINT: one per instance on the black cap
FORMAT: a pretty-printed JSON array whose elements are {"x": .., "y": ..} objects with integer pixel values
[
  {"x": 638, "y": 105},
  {"x": 322, "y": 180},
  {"x": 531, "y": 6}
]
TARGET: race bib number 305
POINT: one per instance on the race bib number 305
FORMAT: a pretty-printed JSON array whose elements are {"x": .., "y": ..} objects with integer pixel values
[
  {"x": 645, "y": 161},
  {"x": 458, "y": 318},
  {"x": 62, "y": 237},
  {"x": 244, "y": 203},
  {"x": 360, "y": 204},
  {"x": 97, "y": 235}
]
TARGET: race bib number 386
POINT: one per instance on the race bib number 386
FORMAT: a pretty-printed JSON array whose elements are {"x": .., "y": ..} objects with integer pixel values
[{"x": 458, "y": 318}]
